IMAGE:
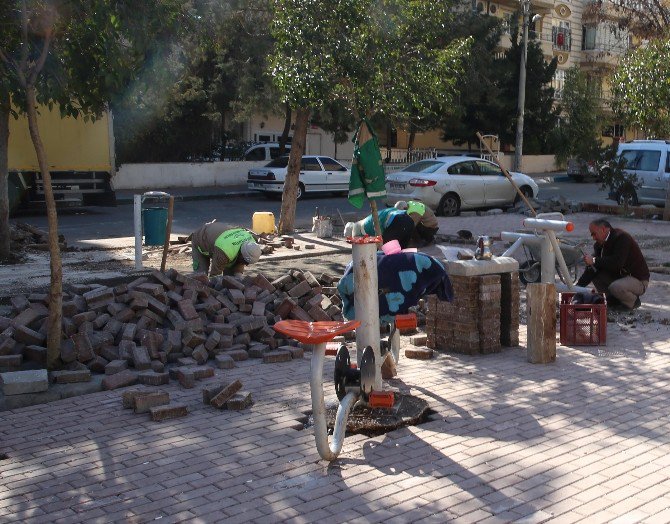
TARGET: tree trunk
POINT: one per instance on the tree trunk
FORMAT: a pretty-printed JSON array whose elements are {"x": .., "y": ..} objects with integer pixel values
[
  {"x": 287, "y": 128},
  {"x": 410, "y": 144},
  {"x": 54, "y": 336},
  {"x": 290, "y": 195},
  {"x": 4, "y": 176}
]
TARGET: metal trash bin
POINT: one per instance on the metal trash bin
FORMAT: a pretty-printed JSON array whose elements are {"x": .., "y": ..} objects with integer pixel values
[{"x": 154, "y": 219}]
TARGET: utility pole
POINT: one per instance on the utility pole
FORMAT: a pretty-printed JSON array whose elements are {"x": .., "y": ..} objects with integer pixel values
[{"x": 518, "y": 147}]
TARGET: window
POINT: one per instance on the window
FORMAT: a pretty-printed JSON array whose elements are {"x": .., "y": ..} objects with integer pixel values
[
  {"x": 282, "y": 161},
  {"x": 486, "y": 168},
  {"x": 424, "y": 166},
  {"x": 561, "y": 36},
  {"x": 462, "y": 168},
  {"x": 558, "y": 83},
  {"x": 274, "y": 150},
  {"x": 310, "y": 164},
  {"x": 589, "y": 38},
  {"x": 331, "y": 165},
  {"x": 641, "y": 160},
  {"x": 257, "y": 153}
]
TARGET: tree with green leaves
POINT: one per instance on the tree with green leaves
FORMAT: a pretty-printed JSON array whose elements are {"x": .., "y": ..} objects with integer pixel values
[
  {"x": 73, "y": 55},
  {"x": 392, "y": 57},
  {"x": 578, "y": 133},
  {"x": 640, "y": 89}
]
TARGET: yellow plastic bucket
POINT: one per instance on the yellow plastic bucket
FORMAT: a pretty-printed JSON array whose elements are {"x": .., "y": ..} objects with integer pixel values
[{"x": 263, "y": 222}]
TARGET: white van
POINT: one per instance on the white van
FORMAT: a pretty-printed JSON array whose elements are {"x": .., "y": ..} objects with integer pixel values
[
  {"x": 650, "y": 161},
  {"x": 264, "y": 152}
]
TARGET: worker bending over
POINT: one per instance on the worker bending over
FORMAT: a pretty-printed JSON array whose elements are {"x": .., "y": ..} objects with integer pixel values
[
  {"x": 228, "y": 250},
  {"x": 395, "y": 224},
  {"x": 425, "y": 221}
]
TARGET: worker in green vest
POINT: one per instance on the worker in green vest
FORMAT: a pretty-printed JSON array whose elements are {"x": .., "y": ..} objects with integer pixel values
[
  {"x": 228, "y": 250},
  {"x": 425, "y": 221}
]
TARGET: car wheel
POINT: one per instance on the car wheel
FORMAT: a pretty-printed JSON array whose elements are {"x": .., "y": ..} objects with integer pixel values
[
  {"x": 527, "y": 192},
  {"x": 530, "y": 272},
  {"x": 450, "y": 205},
  {"x": 627, "y": 196},
  {"x": 301, "y": 191}
]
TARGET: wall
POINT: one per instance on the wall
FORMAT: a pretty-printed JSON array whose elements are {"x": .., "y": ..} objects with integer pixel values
[
  {"x": 165, "y": 176},
  {"x": 221, "y": 174}
]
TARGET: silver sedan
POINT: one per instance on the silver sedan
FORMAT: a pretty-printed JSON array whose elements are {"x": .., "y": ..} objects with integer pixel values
[{"x": 453, "y": 183}]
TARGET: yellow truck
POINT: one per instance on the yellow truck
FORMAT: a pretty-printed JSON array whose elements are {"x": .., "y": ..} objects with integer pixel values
[{"x": 80, "y": 156}]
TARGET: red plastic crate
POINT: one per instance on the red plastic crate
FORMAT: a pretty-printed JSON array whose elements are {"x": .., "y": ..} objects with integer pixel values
[{"x": 582, "y": 324}]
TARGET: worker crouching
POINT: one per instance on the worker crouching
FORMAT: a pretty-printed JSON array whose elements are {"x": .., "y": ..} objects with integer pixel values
[{"x": 226, "y": 250}]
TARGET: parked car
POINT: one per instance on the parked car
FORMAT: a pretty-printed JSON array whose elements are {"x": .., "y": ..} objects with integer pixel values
[
  {"x": 450, "y": 184},
  {"x": 580, "y": 170},
  {"x": 318, "y": 174},
  {"x": 649, "y": 160},
  {"x": 264, "y": 152}
]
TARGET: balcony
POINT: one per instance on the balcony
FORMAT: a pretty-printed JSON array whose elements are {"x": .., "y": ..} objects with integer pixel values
[{"x": 561, "y": 38}]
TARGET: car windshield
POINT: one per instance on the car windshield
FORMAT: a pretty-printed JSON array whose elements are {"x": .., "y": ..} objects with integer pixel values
[
  {"x": 282, "y": 161},
  {"x": 424, "y": 166}
]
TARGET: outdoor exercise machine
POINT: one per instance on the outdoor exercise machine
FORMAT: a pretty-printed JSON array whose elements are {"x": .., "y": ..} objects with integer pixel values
[
  {"x": 546, "y": 225},
  {"x": 360, "y": 382}
]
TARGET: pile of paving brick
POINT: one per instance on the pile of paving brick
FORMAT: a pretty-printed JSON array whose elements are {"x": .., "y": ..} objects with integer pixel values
[{"x": 131, "y": 331}]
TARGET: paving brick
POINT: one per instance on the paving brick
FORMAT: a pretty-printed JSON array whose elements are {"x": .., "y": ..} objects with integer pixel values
[
  {"x": 186, "y": 378},
  {"x": 11, "y": 362},
  {"x": 152, "y": 378},
  {"x": 201, "y": 372},
  {"x": 121, "y": 379},
  {"x": 170, "y": 411},
  {"x": 69, "y": 377},
  {"x": 422, "y": 353},
  {"x": 144, "y": 402},
  {"x": 277, "y": 356},
  {"x": 28, "y": 336},
  {"x": 35, "y": 354},
  {"x": 140, "y": 357},
  {"x": 200, "y": 354},
  {"x": 238, "y": 354},
  {"x": 239, "y": 401},
  {"x": 210, "y": 391},
  {"x": 224, "y": 361},
  {"x": 226, "y": 393},
  {"x": 128, "y": 396},
  {"x": 116, "y": 366}
]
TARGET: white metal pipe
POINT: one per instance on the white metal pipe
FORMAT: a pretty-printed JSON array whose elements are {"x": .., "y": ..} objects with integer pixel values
[
  {"x": 366, "y": 304},
  {"x": 562, "y": 266},
  {"x": 137, "y": 218},
  {"x": 547, "y": 262},
  {"x": 554, "y": 225},
  {"x": 327, "y": 451}
]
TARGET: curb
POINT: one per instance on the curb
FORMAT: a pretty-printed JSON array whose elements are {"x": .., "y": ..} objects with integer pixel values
[{"x": 128, "y": 199}]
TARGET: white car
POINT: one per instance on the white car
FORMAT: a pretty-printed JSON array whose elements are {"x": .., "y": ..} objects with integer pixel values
[
  {"x": 450, "y": 184},
  {"x": 318, "y": 174}
]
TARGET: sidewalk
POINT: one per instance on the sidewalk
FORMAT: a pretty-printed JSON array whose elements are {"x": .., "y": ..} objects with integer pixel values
[{"x": 585, "y": 439}]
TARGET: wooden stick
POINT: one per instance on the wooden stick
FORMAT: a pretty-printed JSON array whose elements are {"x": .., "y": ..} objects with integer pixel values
[
  {"x": 168, "y": 232},
  {"x": 506, "y": 173}
]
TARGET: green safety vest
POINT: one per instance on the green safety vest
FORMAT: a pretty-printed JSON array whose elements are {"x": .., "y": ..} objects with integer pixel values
[{"x": 230, "y": 242}]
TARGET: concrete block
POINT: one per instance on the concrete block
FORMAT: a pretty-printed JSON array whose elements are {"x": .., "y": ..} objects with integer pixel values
[{"x": 20, "y": 382}]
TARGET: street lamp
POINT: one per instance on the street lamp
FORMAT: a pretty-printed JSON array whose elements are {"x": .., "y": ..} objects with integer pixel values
[{"x": 518, "y": 148}]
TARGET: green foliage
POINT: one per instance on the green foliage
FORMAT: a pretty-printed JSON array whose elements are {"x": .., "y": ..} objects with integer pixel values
[
  {"x": 489, "y": 94},
  {"x": 641, "y": 88},
  {"x": 579, "y": 124},
  {"x": 391, "y": 57}
]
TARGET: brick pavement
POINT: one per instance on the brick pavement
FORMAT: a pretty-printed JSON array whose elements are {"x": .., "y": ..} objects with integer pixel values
[
  {"x": 586, "y": 438},
  {"x": 583, "y": 439}
]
